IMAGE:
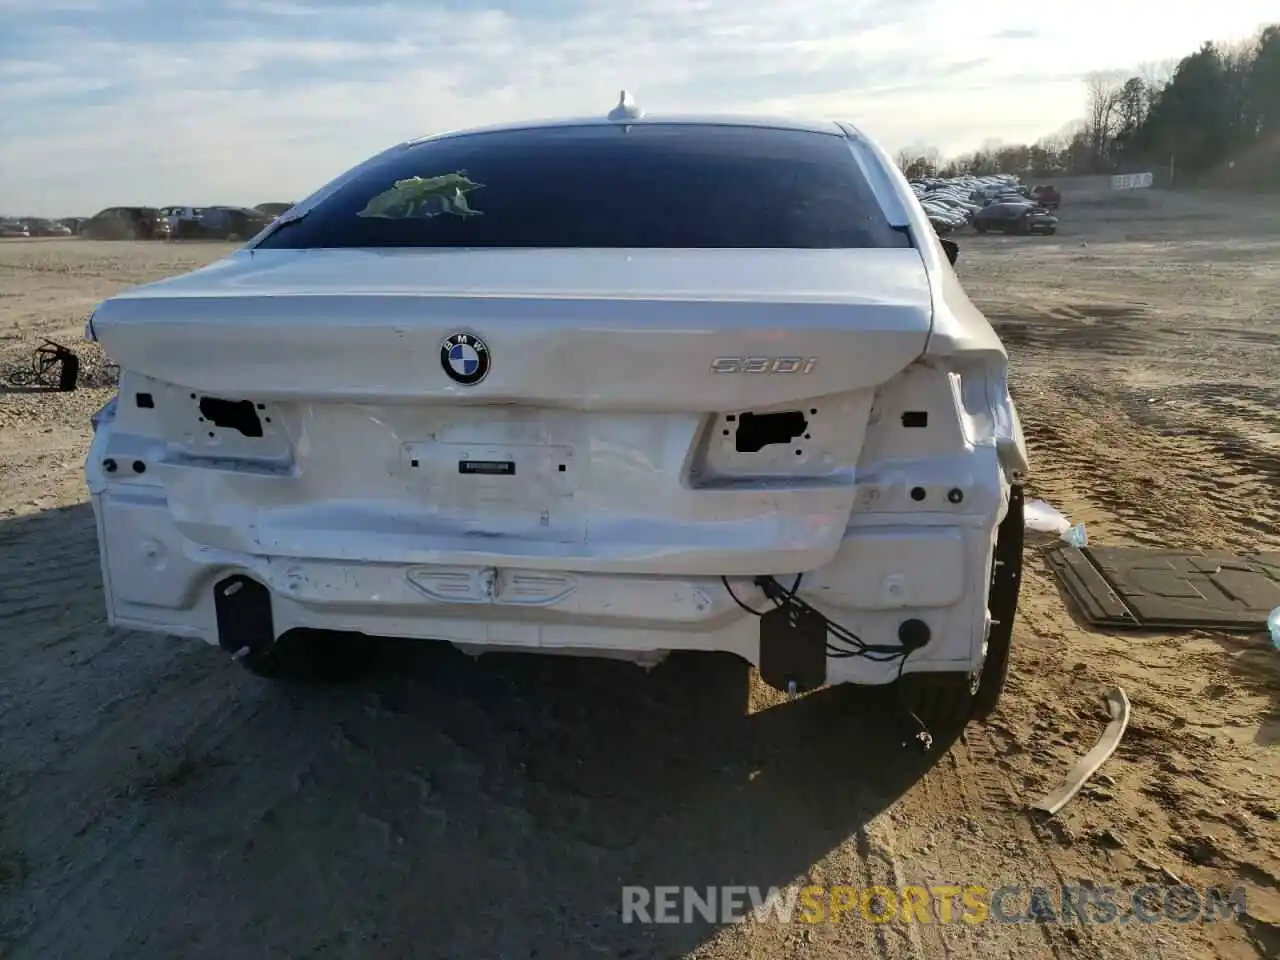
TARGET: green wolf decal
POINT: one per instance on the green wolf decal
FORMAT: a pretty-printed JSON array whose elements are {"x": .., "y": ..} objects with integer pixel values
[{"x": 424, "y": 197}]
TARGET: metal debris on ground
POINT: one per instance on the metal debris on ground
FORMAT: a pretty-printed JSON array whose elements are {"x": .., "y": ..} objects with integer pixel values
[
  {"x": 1087, "y": 766},
  {"x": 52, "y": 365}
]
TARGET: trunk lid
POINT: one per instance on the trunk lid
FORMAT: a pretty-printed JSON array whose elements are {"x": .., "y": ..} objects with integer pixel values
[{"x": 630, "y": 329}]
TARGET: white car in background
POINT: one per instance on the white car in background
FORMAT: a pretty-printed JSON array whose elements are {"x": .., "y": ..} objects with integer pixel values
[{"x": 621, "y": 385}]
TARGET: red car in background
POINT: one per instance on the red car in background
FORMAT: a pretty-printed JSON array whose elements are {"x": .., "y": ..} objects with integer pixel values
[{"x": 1047, "y": 196}]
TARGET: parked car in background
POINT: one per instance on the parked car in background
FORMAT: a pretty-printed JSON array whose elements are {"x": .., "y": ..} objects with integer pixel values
[
  {"x": 1048, "y": 196},
  {"x": 125, "y": 223},
  {"x": 273, "y": 210},
  {"x": 72, "y": 224},
  {"x": 40, "y": 227},
  {"x": 183, "y": 222},
  {"x": 214, "y": 223},
  {"x": 12, "y": 229},
  {"x": 232, "y": 223},
  {"x": 1013, "y": 217}
]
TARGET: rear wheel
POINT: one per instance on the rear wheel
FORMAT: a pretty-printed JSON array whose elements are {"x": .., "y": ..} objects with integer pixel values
[
  {"x": 981, "y": 226},
  {"x": 945, "y": 701},
  {"x": 1002, "y": 602}
]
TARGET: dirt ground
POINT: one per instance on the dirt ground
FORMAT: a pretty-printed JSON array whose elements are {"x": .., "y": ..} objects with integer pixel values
[{"x": 156, "y": 801}]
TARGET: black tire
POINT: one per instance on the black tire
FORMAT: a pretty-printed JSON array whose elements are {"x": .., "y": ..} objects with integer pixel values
[
  {"x": 947, "y": 701},
  {"x": 1002, "y": 601},
  {"x": 982, "y": 226},
  {"x": 317, "y": 656},
  {"x": 943, "y": 702}
]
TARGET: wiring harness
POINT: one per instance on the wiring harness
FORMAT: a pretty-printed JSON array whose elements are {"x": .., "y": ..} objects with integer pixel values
[{"x": 842, "y": 643}]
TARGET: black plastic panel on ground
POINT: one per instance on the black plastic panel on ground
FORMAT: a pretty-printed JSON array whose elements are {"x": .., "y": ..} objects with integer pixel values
[{"x": 1143, "y": 588}]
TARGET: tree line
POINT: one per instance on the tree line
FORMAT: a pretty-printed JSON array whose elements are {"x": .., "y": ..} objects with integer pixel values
[{"x": 1213, "y": 116}]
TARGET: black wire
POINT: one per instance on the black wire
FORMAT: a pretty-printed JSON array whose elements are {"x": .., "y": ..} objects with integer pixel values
[
  {"x": 756, "y": 613},
  {"x": 855, "y": 646},
  {"x": 727, "y": 586},
  {"x": 849, "y": 644}
]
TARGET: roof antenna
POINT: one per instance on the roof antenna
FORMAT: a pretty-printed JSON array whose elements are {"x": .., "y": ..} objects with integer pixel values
[{"x": 626, "y": 108}]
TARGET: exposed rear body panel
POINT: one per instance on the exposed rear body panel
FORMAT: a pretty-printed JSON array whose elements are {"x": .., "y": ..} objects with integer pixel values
[
  {"x": 647, "y": 421},
  {"x": 616, "y": 437}
]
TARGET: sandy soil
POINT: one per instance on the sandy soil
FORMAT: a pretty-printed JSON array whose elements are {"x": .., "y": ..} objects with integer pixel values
[{"x": 155, "y": 801}]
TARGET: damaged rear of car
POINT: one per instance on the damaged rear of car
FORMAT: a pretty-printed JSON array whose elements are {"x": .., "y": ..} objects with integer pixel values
[{"x": 596, "y": 387}]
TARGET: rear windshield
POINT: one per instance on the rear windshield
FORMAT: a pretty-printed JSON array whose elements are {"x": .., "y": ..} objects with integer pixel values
[{"x": 650, "y": 185}]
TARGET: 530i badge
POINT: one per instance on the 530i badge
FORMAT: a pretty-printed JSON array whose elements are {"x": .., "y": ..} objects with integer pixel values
[{"x": 763, "y": 364}]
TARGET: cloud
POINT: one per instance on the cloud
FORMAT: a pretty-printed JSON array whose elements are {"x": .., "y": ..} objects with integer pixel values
[
  {"x": 241, "y": 101},
  {"x": 1017, "y": 33}
]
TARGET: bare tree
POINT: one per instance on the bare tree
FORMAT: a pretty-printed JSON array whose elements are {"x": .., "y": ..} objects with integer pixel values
[
  {"x": 1239, "y": 52},
  {"x": 1104, "y": 96},
  {"x": 1156, "y": 73},
  {"x": 1056, "y": 143},
  {"x": 919, "y": 160}
]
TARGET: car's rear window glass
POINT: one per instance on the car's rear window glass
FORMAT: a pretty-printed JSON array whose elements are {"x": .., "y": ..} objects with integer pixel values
[{"x": 649, "y": 185}]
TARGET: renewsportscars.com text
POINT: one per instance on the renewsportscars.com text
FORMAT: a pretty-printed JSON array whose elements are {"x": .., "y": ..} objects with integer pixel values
[{"x": 969, "y": 904}]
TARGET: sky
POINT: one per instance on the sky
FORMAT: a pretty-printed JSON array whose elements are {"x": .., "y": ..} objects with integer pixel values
[{"x": 161, "y": 102}]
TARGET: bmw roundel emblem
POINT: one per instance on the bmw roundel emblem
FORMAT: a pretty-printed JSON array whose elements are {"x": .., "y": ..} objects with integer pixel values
[{"x": 465, "y": 358}]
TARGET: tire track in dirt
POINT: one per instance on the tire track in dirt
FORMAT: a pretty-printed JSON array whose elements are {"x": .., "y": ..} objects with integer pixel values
[
  {"x": 1143, "y": 453},
  {"x": 1167, "y": 489},
  {"x": 953, "y": 822}
]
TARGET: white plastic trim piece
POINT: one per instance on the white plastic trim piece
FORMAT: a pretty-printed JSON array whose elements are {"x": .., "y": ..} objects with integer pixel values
[{"x": 1087, "y": 766}]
